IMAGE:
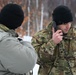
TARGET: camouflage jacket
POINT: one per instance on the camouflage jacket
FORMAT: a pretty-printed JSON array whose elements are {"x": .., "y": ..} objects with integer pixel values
[{"x": 55, "y": 59}]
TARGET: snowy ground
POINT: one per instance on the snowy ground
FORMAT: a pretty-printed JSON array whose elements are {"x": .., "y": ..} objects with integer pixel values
[{"x": 36, "y": 68}]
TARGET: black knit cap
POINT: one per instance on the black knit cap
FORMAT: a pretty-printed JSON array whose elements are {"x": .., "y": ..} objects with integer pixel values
[
  {"x": 62, "y": 14},
  {"x": 11, "y": 16}
]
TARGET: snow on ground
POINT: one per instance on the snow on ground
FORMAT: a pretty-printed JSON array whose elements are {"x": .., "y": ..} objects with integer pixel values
[{"x": 36, "y": 68}]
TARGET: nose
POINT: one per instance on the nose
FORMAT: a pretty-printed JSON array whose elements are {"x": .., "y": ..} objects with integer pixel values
[{"x": 68, "y": 25}]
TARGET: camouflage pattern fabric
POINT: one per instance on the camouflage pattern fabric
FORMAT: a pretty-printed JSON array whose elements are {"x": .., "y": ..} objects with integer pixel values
[{"x": 52, "y": 58}]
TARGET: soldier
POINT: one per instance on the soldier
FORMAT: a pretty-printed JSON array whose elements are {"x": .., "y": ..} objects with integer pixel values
[
  {"x": 56, "y": 44},
  {"x": 17, "y": 57}
]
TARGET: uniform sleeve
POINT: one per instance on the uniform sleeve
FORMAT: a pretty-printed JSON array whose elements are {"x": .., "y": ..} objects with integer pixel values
[
  {"x": 44, "y": 47},
  {"x": 17, "y": 57}
]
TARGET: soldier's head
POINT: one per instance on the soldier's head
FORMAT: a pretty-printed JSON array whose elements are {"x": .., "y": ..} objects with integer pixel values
[
  {"x": 11, "y": 16},
  {"x": 63, "y": 18}
]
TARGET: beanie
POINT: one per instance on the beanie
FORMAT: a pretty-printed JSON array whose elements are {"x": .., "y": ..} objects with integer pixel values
[
  {"x": 62, "y": 14},
  {"x": 11, "y": 16}
]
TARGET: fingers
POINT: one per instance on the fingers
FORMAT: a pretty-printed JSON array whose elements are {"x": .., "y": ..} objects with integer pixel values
[
  {"x": 53, "y": 30},
  {"x": 57, "y": 32},
  {"x": 57, "y": 36}
]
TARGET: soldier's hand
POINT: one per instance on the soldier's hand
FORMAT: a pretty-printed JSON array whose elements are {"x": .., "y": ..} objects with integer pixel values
[{"x": 57, "y": 36}]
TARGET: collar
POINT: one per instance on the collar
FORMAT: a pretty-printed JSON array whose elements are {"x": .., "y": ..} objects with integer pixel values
[
  {"x": 6, "y": 29},
  {"x": 3, "y": 27}
]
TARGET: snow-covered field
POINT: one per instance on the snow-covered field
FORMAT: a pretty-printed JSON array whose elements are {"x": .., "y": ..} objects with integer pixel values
[{"x": 36, "y": 68}]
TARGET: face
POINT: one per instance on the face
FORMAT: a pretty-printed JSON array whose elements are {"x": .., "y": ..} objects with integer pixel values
[{"x": 65, "y": 27}]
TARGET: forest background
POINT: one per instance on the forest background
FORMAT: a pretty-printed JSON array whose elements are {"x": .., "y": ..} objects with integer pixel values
[{"x": 38, "y": 13}]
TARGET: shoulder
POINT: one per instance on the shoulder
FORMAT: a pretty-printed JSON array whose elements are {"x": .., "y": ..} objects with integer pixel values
[
  {"x": 42, "y": 33},
  {"x": 3, "y": 34},
  {"x": 41, "y": 36},
  {"x": 74, "y": 31}
]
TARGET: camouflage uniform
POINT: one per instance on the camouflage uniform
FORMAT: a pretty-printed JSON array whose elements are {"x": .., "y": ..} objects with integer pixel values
[{"x": 55, "y": 59}]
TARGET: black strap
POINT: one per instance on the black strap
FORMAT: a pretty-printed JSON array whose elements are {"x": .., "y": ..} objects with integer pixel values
[{"x": 68, "y": 63}]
